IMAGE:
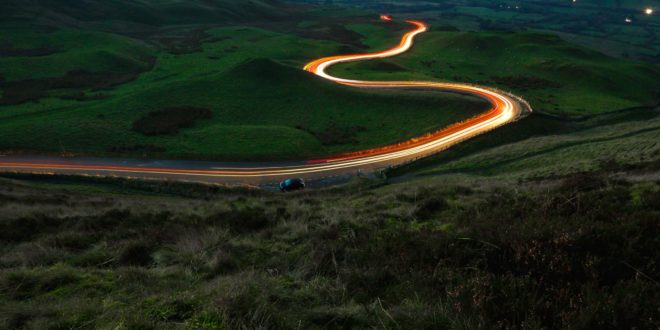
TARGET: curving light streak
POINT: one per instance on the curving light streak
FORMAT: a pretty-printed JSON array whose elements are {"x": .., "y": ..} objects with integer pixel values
[{"x": 505, "y": 108}]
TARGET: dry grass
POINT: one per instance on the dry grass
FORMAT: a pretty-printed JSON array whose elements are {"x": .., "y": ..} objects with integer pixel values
[{"x": 573, "y": 251}]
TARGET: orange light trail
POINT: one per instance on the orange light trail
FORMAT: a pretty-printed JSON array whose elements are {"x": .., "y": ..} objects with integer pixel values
[{"x": 505, "y": 109}]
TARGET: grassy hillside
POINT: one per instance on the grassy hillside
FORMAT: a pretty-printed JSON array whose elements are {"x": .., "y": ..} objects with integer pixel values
[
  {"x": 555, "y": 76},
  {"x": 544, "y": 146},
  {"x": 147, "y": 12},
  {"x": 551, "y": 224},
  {"x": 35, "y": 65},
  {"x": 88, "y": 92},
  {"x": 598, "y": 24},
  {"x": 261, "y": 109},
  {"x": 440, "y": 252},
  {"x": 70, "y": 50}
]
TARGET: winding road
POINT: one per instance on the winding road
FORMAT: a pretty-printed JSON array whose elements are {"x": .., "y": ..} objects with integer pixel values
[{"x": 505, "y": 109}]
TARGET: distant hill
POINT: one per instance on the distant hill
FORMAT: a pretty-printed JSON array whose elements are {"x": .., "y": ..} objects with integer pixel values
[{"x": 142, "y": 12}]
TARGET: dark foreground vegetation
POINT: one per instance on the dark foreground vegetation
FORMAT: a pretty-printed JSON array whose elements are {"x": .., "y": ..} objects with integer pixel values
[{"x": 578, "y": 251}]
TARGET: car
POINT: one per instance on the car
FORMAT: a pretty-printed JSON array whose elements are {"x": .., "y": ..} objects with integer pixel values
[{"x": 292, "y": 184}]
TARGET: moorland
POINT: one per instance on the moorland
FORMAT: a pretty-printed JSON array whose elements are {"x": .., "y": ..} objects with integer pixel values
[{"x": 550, "y": 222}]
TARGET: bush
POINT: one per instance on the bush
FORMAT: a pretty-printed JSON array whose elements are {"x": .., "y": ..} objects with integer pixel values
[
  {"x": 578, "y": 251},
  {"x": 243, "y": 220},
  {"x": 136, "y": 254},
  {"x": 170, "y": 121}
]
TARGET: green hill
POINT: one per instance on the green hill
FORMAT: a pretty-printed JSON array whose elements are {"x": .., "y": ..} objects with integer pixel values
[
  {"x": 261, "y": 108},
  {"x": 149, "y": 12},
  {"x": 101, "y": 77},
  {"x": 442, "y": 251},
  {"x": 555, "y": 76},
  {"x": 548, "y": 223},
  {"x": 68, "y": 83}
]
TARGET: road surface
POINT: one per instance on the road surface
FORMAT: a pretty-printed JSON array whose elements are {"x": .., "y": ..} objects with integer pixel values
[{"x": 505, "y": 109}]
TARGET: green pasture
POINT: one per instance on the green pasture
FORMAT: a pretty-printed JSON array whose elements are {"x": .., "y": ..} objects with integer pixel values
[
  {"x": 579, "y": 81},
  {"x": 264, "y": 106}
]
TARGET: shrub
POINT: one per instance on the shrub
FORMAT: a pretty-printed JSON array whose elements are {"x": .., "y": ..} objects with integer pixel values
[
  {"x": 170, "y": 121},
  {"x": 243, "y": 220},
  {"x": 136, "y": 254}
]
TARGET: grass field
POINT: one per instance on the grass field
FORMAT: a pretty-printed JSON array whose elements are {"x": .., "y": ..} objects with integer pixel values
[
  {"x": 555, "y": 76},
  {"x": 82, "y": 91},
  {"x": 548, "y": 223},
  {"x": 264, "y": 107},
  {"x": 511, "y": 228},
  {"x": 112, "y": 14},
  {"x": 543, "y": 146},
  {"x": 597, "y": 24},
  {"x": 443, "y": 251}
]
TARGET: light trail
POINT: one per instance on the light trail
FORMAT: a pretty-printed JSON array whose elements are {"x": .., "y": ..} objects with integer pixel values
[{"x": 505, "y": 109}]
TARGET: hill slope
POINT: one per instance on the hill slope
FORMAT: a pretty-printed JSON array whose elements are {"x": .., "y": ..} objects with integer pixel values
[
  {"x": 555, "y": 76},
  {"x": 149, "y": 12},
  {"x": 262, "y": 109},
  {"x": 427, "y": 254}
]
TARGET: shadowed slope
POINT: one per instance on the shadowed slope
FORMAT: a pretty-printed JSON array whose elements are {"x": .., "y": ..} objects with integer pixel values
[{"x": 148, "y": 12}]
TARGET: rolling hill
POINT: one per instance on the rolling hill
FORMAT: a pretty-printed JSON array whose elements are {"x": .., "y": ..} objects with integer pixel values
[
  {"x": 556, "y": 76},
  {"x": 90, "y": 91},
  {"x": 550, "y": 222},
  {"x": 145, "y": 12}
]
